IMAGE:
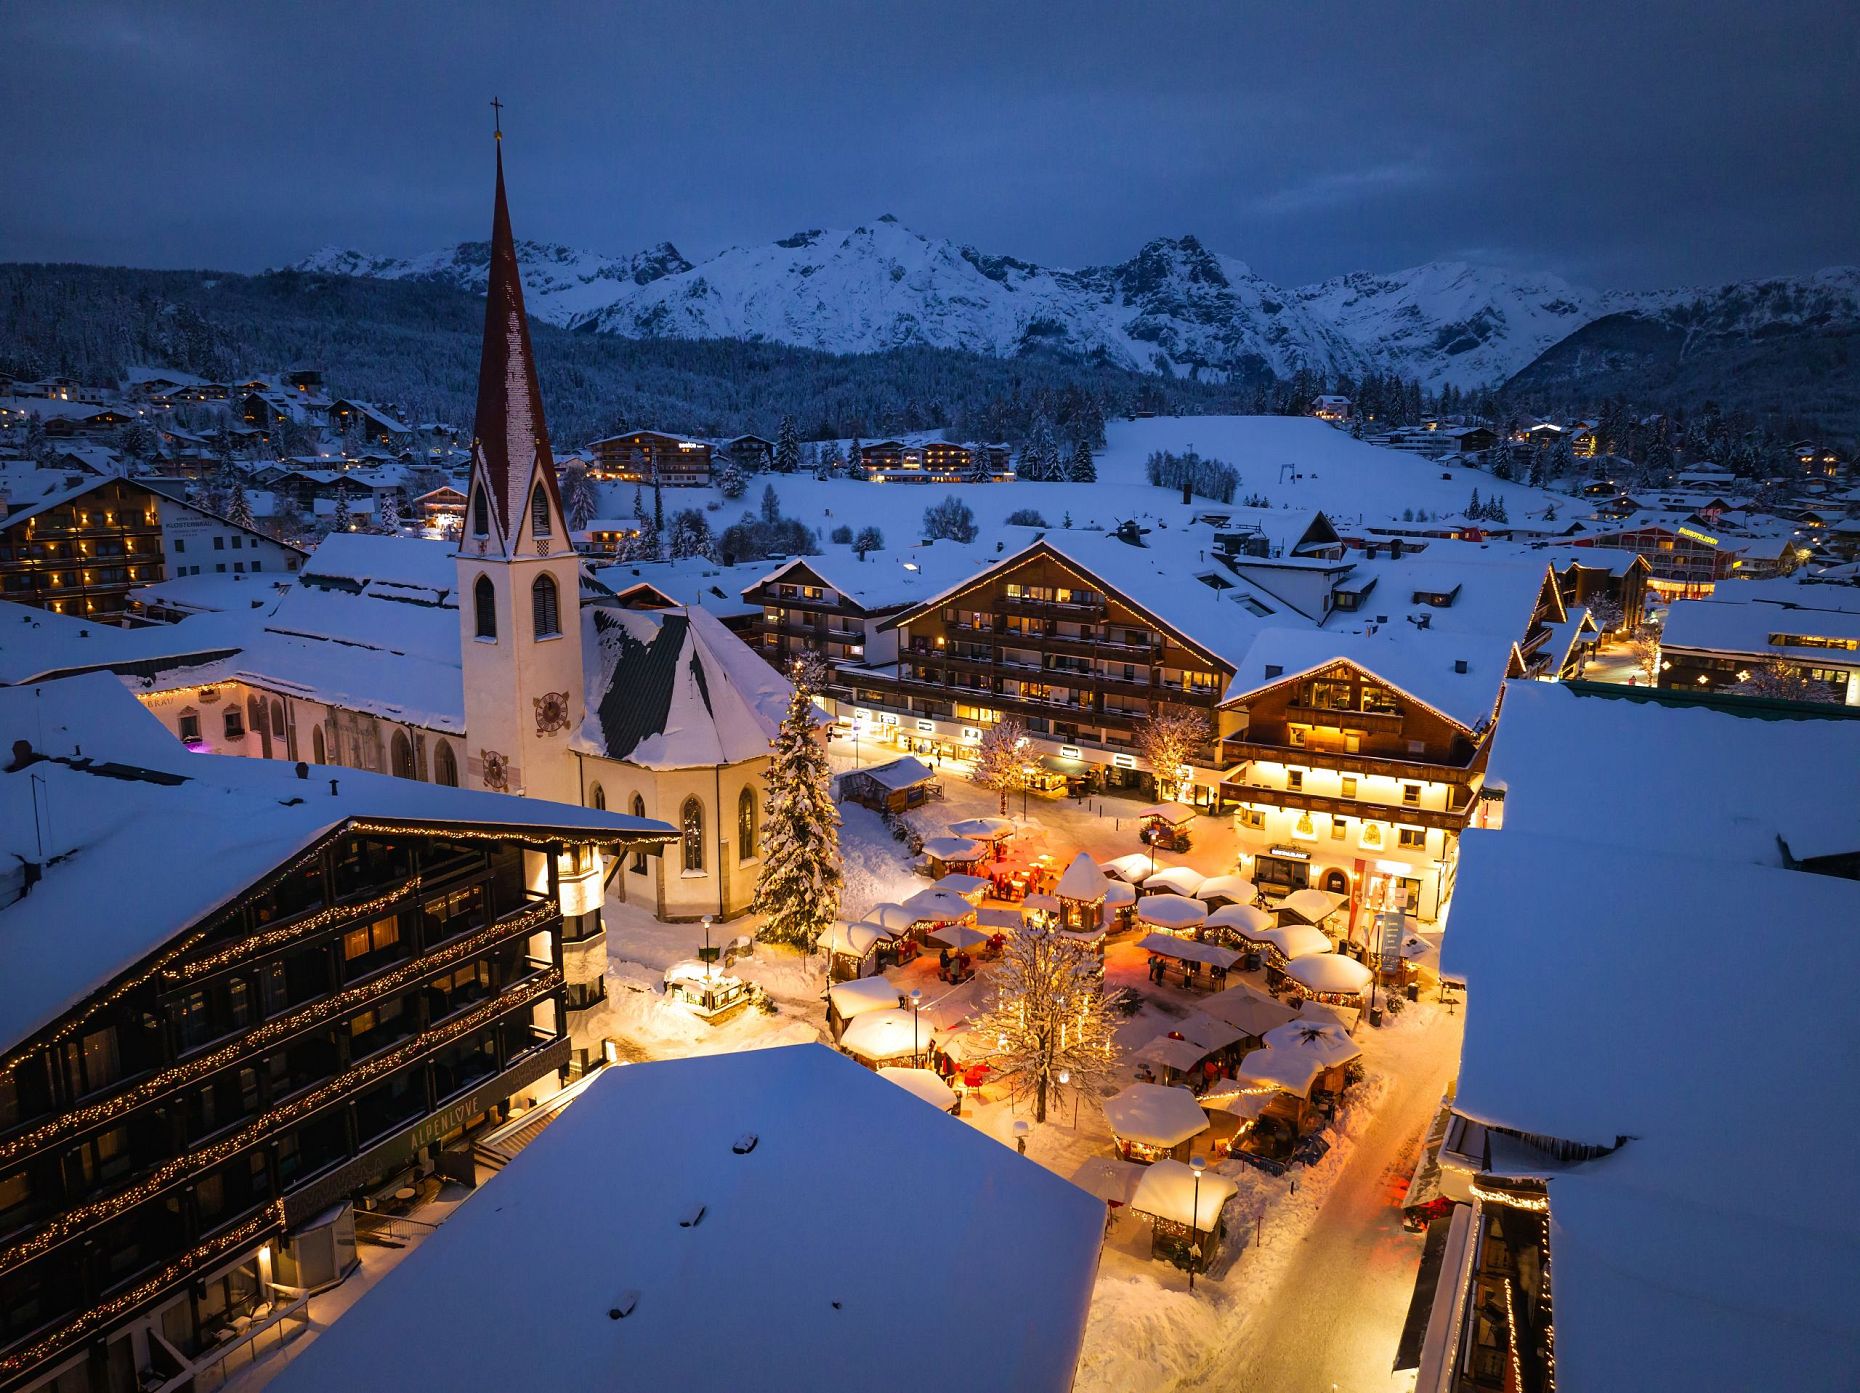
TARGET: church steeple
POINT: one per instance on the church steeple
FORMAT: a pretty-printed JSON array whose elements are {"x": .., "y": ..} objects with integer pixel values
[{"x": 510, "y": 441}]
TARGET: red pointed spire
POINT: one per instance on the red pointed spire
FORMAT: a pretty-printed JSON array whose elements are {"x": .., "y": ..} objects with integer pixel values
[{"x": 509, "y": 435}]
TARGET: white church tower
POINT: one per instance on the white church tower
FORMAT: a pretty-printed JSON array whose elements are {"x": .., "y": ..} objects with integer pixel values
[{"x": 519, "y": 578}]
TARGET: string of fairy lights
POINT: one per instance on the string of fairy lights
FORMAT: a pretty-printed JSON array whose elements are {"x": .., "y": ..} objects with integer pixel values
[
  {"x": 182, "y": 1167},
  {"x": 257, "y": 944},
  {"x": 272, "y": 1217},
  {"x": 270, "y": 1032}
]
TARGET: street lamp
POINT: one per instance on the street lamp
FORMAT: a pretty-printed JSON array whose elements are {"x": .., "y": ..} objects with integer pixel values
[
  {"x": 917, "y": 997},
  {"x": 1197, "y": 1164},
  {"x": 1065, "y": 1078}
]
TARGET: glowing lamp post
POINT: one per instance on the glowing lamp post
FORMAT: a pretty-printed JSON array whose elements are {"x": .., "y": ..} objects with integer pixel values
[
  {"x": 917, "y": 997},
  {"x": 1197, "y": 1164}
]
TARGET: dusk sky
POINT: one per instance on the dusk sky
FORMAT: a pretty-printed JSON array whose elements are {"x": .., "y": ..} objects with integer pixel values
[{"x": 1623, "y": 145}]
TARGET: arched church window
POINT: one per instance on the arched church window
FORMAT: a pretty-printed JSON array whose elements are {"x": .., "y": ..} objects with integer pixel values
[
  {"x": 545, "y": 607},
  {"x": 484, "y": 600},
  {"x": 691, "y": 828}
]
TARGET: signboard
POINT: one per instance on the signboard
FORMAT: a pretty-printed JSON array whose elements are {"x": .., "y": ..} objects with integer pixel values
[
  {"x": 1698, "y": 536},
  {"x": 1291, "y": 853},
  {"x": 1124, "y": 761},
  {"x": 1391, "y": 929}
]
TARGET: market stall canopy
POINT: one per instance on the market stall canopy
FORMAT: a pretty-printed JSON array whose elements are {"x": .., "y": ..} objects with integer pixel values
[
  {"x": 957, "y": 936},
  {"x": 1311, "y": 904},
  {"x": 955, "y": 850},
  {"x": 1171, "y": 911},
  {"x": 1112, "y": 1180},
  {"x": 1189, "y": 1042},
  {"x": 894, "y": 919},
  {"x": 1247, "y": 920},
  {"x": 1082, "y": 880},
  {"x": 1329, "y": 1044},
  {"x": 1248, "y": 1009},
  {"x": 1155, "y": 1115},
  {"x": 862, "y": 995},
  {"x": 1177, "y": 880},
  {"x": 1328, "y": 974},
  {"x": 886, "y": 1035},
  {"x": 1118, "y": 893},
  {"x": 1345, "y": 1016},
  {"x": 1175, "y": 814},
  {"x": 1005, "y": 920},
  {"x": 983, "y": 829},
  {"x": 1235, "y": 889},
  {"x": 1059, "y": 764},
  {"x": 1047, "y": 904},
  {"x": 1294, "y": 940},
  {"x": 1419, "y": 951},
  {"x": 924, "y": 1084},
  {"x": 856, "y": 940},
  {"x": 1130, "y": 868},
  {"x": 1169, "y": 1190},
  {"x": 939, "y": 905},
  {"x": 1244, "y": 1103},
  {"x": 970, "y": 887},
  {"x": 1188, "y": 950},
  {"x": 1091, "y": 937}
]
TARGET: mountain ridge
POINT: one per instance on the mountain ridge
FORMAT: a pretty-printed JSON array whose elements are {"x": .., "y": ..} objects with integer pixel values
[{"x": 1174, "y": 307}]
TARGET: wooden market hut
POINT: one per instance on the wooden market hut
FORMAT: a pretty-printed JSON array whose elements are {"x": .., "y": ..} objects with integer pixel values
[
  {"x": 1150, "y": 1122},
  {"x": 896, "y": 787},
  {"x": 847, "y": 1001},
  {"x": 1185, "y": 1211},
  {"x": 1080, "y": 893},
  {"x": 851, "y": 949}
]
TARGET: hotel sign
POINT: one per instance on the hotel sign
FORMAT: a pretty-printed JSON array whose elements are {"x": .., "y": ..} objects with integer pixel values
[{"x": 1698, "y": 536}]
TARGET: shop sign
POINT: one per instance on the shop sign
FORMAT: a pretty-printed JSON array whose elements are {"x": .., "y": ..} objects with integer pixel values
[
  {"x": 1391, "y": 928},
  {"x": 1069, "y": 751},
  {"x": 887, "y": 718},
  {"x": 1290, "y": 853},
  {"x": 971, "y": 735},
  {"x": 927, "y": 727},
  {"x": 1124, "y": 761}
]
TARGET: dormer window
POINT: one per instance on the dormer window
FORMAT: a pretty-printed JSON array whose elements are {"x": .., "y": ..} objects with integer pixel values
[{"x": 539, "y": 513}]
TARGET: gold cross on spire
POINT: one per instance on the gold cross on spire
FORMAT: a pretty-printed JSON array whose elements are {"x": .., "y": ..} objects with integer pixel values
[{"x": 497, "y": 118}]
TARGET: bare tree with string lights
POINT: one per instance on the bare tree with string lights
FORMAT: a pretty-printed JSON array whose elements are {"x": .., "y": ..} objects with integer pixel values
[{"x": 1049, "y": 1020}]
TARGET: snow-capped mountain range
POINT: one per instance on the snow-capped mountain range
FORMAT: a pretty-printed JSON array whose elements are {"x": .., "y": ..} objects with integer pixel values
[{"x": 1174, "y": 307}]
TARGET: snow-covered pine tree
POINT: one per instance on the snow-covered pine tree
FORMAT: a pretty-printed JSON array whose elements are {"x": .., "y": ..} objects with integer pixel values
[
  {"x": 1495, "y": 510},
  {"x": 343, "y": 519},
  {"x": 658, "y": 521},
  {"x": 1027, "y": 462},
  {"x": 787, "y": 448},
  {"x": 999, "y": 756},
  {"x": 1475, "y": 509},
  {"x": 582, "y": 499},
  {"x": 798, "y": 886},
  {"x": 1049, "y": 1016},
  {"x": 870, "y": 539},
  {"x": 732, "y": 482},
  {"x": 1083, "y": 470},
  {"x": 854, "y": 463},
  {"x": 239, "y": 507},
  {"x": 691, "y": 535},
  {"x": 387, "y": 513},
  {"x": 1052, "y": 467}
]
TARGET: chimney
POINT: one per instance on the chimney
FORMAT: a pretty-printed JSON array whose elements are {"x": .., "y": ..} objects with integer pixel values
[
  {"x": 332, "y": 788},
  {"x": 1459, "y": 665},
  {"x": 303, "y": 770}
]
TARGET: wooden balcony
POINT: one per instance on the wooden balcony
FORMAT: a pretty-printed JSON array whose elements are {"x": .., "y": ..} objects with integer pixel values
[
  {"x": 1238, "y": 749},
  {"x": 1448, "y": 821}
]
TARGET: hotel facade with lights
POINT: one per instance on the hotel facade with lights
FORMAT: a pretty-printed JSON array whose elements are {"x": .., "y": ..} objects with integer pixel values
[{"x": 182, "y": 1144}]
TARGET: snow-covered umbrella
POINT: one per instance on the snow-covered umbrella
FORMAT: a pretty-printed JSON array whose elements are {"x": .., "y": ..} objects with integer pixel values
[
  {"x": 1082, "y": 881},
  {"x": 924, "y": 1084},
  {"x": 957, "y": 936},
  {"x": 1235, "y": 889},
  {"x": 1325, "y": 1041},
  {"x": 1294, "y": 940},
  {"x": 983, "y": 829},
  {"x": 1329, "y": 974},
  {"x": 1175, "y": 880},
  {"x": 955, "y": 851},
  {"x": 882, "y": 1035},
  {"x": 1129, "y": 868},
  {"x": 1310, "y": 904},
  {"x": 1176, "y": 912},
  {"x": 1155, "y": 1115},
  {"x": 1244, "y": 920}
]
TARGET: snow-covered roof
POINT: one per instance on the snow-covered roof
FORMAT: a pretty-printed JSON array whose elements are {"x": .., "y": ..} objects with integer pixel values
[
  {"x": 1246, "y": 919},
  {"x": 889, "y": 1034},
  {"x": 1692, "y": 781},
  {"x": 863, "y": 994},
  {"x": 1176, "y": 880},
  {"x": 957, "y": 849},
  {"x": 1294, "y": 940},
  {"x": 1170, "y": 1190},
  {"x": 190, "y": 836},
  {"x": 1131, "y": 867},
  {"x": 1708, "y": 1250},
  {"x": 938, "y": 905},
  {"x": 855, "y": 939},
  {"x": 1312, "y": 904},
  {"x": 666, "y": 1192},
  {"x": 1082, "y": 880},
  {"x": 899, "y": 774},
  {"x": 674, "y": 689},
  {"x": 1155, "y": 1115},
  {"x": 992, "y": 829},
  {"x": 888, "y": 580},
  {"x": 1729, "y": 623},
  {"x": 1423, "y": 664}
]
